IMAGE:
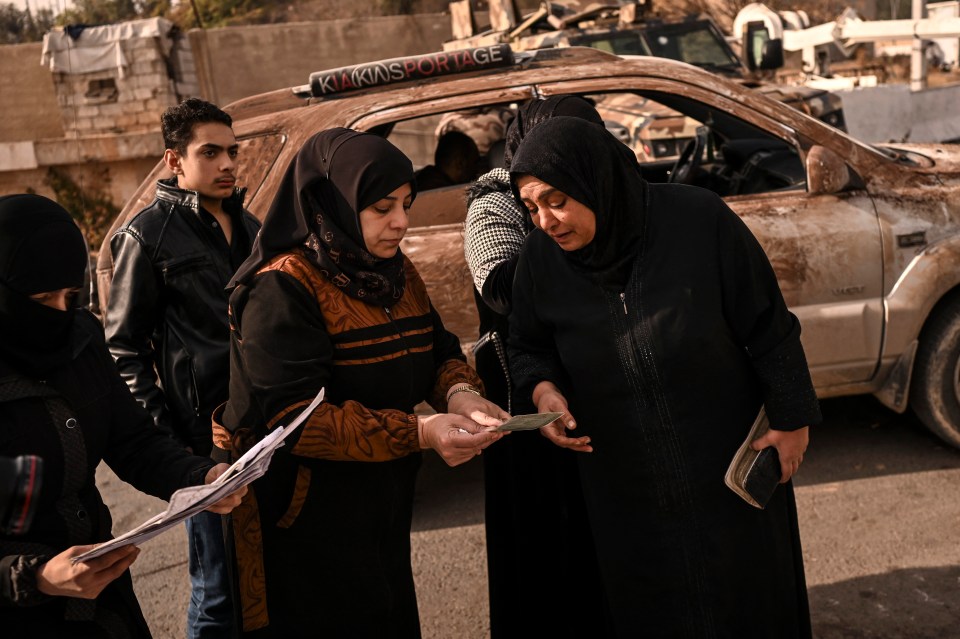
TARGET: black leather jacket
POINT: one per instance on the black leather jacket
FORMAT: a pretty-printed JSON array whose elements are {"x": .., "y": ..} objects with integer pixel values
[{"x": 166, "y": 321}]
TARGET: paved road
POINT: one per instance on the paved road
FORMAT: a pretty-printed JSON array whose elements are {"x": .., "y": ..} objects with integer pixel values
[{"x": 879, "y": 513}]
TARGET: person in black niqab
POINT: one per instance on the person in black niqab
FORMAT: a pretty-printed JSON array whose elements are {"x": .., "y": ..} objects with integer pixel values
[
  {"x": 41, "y": 252},
  {"x": 650, "y": 316},
  {"x": 328, "y": 300},
  {"x": 63, "y": 401}
]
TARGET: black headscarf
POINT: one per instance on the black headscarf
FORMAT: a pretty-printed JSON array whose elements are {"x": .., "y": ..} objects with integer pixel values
[
  {"x": 41, "y": 249},
  {"x": 537, "y": 111},
  {"x": 337, "y": 174},
  {"x": 587, "y": 163}
]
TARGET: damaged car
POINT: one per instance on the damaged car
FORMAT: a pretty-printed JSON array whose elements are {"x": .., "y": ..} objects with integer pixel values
[{"x": 865, "y": 239}]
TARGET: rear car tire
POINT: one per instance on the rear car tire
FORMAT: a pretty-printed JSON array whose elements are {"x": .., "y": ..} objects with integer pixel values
[{"x": 935, "y": 389}]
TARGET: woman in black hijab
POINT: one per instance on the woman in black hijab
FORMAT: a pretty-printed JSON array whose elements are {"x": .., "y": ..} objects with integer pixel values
[
  {"x": 328, "y": 300},
  {"x": 650, "y": 314},
  {"x": 531, "y": 488},
  {"x": 61, "y": 399}
]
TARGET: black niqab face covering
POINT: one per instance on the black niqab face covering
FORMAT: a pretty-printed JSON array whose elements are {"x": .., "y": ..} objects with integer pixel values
[
  {"x": 41, "y": 250},
  {"x": 337, "y": 174},
  {"x": 584, "y": 161},
  {"x": 536, "y": 112}
]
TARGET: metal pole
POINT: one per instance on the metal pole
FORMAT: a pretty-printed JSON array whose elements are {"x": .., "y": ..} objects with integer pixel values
[
  {"x": 918, "y": 65},
  {"x": 196, "y": 13}
]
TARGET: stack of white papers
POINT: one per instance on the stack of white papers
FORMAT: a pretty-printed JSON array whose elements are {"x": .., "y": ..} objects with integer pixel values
[{"x": 187, "y": 502}]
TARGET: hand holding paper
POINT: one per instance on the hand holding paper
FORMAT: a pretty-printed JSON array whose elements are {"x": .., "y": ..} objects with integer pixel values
[
  {"x": 64, "y": 576},
  {"x": 189, "y": 501},
  {"x": 226, "y": 505},
  {"x": 457, "y": 439},
  {"x": 476, "y": 408}
]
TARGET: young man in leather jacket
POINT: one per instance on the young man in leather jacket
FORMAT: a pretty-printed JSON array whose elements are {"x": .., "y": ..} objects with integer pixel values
[{"x": 166, "y": 320}]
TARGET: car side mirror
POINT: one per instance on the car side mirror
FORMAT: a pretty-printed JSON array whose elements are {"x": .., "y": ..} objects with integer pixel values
[{"x": 827, "y": 172}]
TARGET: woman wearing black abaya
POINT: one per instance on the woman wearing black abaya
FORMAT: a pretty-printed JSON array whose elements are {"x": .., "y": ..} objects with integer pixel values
[
  {"x": 651, "y": 315},
  {"x": 61, "y": 399},
  {"x": 533, "y": 506},
  {"x": 327, "y": 300}
]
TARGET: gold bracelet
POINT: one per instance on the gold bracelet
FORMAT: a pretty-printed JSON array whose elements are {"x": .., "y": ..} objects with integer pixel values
[{"x": 466, "y": 388}]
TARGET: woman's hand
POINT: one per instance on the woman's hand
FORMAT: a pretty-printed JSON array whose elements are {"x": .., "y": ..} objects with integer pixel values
[
  {"x": 477, "y": 408},
  {"x": 549, "y": 399},
  {"x": 456, "y": 438},
  {"x": 226, "y": 505},
  {"x": 790, "y": 445},
  {"x": 59, "y": 577}
]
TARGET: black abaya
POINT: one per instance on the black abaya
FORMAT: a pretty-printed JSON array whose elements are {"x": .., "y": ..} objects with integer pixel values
[{"x": 665, "y": 350}]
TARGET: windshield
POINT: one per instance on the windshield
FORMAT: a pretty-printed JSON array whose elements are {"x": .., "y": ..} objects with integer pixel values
[
  {"x": 618, "y": 42},
  {"x": 693, "y": 43}
]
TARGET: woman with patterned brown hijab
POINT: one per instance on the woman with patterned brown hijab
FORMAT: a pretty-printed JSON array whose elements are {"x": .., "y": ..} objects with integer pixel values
[{"x": 328, "y": 300}]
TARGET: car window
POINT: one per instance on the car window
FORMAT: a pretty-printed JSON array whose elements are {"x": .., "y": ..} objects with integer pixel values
[
  {"x": 622, "y": 43},
  {"x": 486, "y": 126},
  {"x": 672, "y": 136},
  {"x": 680, "y": 139},
  {"x": 693, "y": 44},
  {"x": 440, "y": 191}
]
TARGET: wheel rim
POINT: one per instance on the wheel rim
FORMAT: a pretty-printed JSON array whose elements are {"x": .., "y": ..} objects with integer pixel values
[{"x": 956, "y": 380}]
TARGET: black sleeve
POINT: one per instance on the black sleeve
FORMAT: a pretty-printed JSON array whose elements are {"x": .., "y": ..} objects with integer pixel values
[
  {"x": 757, "y": 314},
  {"x": 140, "y": 454},
  {"x": 284, "y": 345},
  {"x": 18, "y": 580},
  {"x": 129, "y": 322},
  {"x": 531, "y": 350},
  {"x": 497, "y": 292}
]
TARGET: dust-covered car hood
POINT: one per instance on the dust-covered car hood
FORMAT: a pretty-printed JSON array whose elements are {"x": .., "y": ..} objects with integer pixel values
[{"x": 943, "y": 158}]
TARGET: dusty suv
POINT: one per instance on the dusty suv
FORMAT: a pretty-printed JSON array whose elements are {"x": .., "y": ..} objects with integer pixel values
[{"x": 865, "y": 239}]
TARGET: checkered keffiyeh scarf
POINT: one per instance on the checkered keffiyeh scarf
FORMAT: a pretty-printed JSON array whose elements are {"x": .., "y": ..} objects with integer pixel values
[{"x": 495, "y": 226}]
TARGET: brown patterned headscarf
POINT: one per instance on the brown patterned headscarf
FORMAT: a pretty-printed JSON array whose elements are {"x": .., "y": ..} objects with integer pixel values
[{"x": 337, "y": 174}]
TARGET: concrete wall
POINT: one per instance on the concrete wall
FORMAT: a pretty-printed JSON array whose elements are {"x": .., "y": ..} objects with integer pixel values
[
  {"x": 133, "y": 103},
  {"x": 892, "y": 113},
  {"x": 225, "y": 65},
  {"x": 124, "y": 176},
  {"x": 236, "y": 62},
  {"x": 28, "y": 103},
  {"x": 184, "y": 68}
]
